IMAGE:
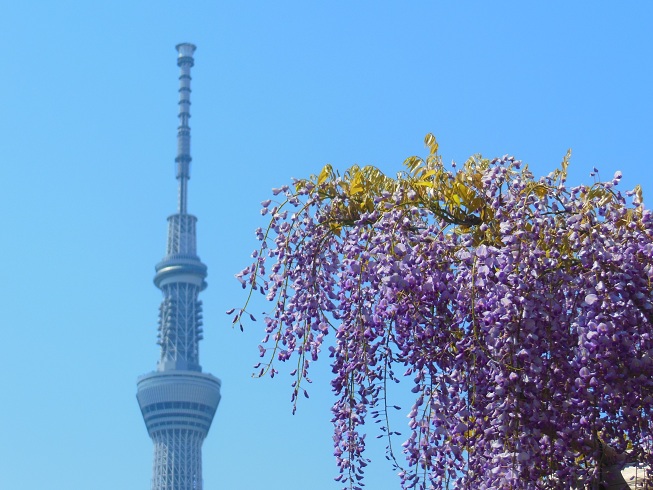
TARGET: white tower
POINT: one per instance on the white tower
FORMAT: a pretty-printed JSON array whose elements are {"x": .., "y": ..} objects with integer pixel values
[{"x": 177, "y": 400}]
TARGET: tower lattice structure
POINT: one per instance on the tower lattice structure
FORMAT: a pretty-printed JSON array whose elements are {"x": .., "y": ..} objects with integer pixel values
[{"x": 178, "y": 401}]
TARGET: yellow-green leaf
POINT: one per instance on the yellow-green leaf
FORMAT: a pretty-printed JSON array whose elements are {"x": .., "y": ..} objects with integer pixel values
[
  {"x": 324, "y": 174},
  {"x": 431, "y": 143}
]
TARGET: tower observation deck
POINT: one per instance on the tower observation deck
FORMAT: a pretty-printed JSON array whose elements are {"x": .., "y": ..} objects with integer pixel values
[{"x": 178, "y": 401}]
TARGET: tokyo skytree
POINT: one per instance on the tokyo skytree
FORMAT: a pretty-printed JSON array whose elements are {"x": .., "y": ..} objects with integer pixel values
[{"x": 178, "y": 401}]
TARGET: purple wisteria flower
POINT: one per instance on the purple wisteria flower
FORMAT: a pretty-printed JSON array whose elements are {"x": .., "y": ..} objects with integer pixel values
[{"x": 519, "y": 311}]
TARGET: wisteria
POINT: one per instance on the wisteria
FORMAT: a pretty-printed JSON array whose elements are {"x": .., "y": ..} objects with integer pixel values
[{"x": 518, "y": 310}]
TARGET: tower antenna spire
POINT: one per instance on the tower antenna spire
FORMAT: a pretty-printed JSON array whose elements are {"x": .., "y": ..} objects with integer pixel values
[{"x": 185, "y": 61}]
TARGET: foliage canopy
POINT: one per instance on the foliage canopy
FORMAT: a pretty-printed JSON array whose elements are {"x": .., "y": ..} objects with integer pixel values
[{"x": 519, "y": 309}]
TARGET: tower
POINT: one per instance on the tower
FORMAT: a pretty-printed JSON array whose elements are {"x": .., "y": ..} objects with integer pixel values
[{"x": 178, "y": 400}]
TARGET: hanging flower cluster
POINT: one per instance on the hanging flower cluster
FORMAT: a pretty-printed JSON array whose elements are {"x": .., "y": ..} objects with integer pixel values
[{"x": 519, "y": 310}]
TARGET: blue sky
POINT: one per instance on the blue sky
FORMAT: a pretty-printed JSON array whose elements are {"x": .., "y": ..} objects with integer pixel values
[{"x": 88, "y": 132}]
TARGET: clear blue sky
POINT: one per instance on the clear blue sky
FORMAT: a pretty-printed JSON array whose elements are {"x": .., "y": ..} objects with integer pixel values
[{"x": 87, "y": 130}]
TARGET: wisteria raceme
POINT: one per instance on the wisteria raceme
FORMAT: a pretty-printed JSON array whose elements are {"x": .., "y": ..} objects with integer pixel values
[{"x": 519, "y": 310}]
